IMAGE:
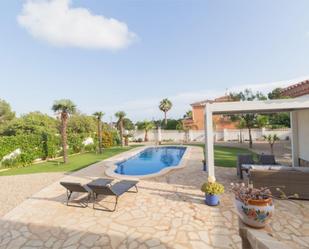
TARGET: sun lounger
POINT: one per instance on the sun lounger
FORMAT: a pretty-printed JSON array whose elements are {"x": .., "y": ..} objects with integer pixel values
[
  {"x": 72, "y": 187},
  {"x": 116, "y": 190}
]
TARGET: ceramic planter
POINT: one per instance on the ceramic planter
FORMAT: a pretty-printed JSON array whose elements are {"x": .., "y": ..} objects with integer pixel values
[
  {"x": 212, "y": 200},
  {"x": 256, "y": 213}
]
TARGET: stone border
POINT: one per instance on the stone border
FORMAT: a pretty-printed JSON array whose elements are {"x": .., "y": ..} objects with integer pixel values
[{"x": 111, "y": 166}]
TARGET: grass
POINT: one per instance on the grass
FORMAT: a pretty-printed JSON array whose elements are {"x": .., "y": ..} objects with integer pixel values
[
  {"x": 224, "y": 157},
  {"x": 227, "y": 156},
  {"x": 75, "y": 163}
]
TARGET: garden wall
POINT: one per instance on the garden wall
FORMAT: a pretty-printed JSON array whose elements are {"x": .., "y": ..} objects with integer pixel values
[{"x": 225, "y": 135}]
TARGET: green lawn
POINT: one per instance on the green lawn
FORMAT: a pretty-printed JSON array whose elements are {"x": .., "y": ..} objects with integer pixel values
[
  {"x": 226, "y": 156},
  {"x": 76, "y": 162}
]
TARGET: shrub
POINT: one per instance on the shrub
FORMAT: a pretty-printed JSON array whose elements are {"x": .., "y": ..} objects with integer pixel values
[
  {"x": 51, "y": 144},
  {"x": 107, "y": 139},
  {"x": 75, "y": 142},
  {"x": 212, "y": 188},
  {"x": 32, "y": 146}
]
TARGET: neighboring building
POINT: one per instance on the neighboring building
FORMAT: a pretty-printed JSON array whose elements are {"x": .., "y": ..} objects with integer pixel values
[
  {"x": 296, "y": 90},
  {"x": 197, "y": 121}
]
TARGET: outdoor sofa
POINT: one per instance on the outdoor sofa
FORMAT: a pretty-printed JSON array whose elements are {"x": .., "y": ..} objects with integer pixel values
[
  {"x": 245, "y": 162},
  {"x": 291, "y": 180}
]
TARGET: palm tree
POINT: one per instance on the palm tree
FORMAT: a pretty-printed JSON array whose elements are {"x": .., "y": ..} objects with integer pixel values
[
  {"x": 147, "y": 126},
  {"x": 99, "y": 116},
  {"x": 120, "y": 115},
  {"x": 188, "y": 114},
  {"x": 64, "y": 107},
  {"x": 165, "y": 106}
]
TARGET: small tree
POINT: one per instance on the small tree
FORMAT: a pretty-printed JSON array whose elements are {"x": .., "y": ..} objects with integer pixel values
[
  {"x": 249, "y": 119},
  {"x": 271, "y": 139},
  {"x": 65, "y": 108},
  {"x": 147, "y": 126},
  {"x": 180, "y": 127},
  {"x": 165, "y": 106},
  {"x": 120, "y": 115},
  {"x": 99, "y": 116}
]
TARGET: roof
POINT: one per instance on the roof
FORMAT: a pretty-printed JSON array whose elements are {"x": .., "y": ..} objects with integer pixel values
[
  {"x": 225, "y": 98},
  {"x": 266, "y": 106},
  {"x": 296, "y": 90}
]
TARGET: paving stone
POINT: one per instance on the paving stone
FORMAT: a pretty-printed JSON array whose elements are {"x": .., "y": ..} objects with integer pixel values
[
  {"x": 153, "y": 242},
  {"x": 167, "y": 212}
]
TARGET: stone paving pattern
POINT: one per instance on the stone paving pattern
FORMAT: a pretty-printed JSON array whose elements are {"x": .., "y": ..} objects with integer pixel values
[
  {"x": 167, "y": 212},
  {"x": 15, "y": 189}
]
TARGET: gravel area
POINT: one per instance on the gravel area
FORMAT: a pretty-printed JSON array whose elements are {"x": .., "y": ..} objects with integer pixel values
[{"x": 16, "y": 189}]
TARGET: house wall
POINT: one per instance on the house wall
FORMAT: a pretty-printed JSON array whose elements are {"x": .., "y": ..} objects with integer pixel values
[
  {"x": 198, "y": 120},
  {"x": 303, "y": 136},
  {"x": 198, "y": 117}
]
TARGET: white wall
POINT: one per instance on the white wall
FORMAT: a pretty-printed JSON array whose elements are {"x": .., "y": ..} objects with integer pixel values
[
  {"x": 226, "y": 135},
  {"x": 303, "y": 134}
]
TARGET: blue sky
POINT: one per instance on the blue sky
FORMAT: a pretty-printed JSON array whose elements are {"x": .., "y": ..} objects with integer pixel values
[{"x": 186, "y": 50}]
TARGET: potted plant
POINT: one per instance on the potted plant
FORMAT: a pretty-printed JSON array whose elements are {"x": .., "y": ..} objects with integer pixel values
[
  {"x": 254, "y": 205},
  {"x": 212, "y": 190}
]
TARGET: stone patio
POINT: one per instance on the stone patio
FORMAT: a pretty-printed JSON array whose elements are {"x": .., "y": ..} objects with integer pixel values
[{"x": 167, "y": 212}]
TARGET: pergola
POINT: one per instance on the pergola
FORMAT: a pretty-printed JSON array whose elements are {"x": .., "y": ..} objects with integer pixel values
[{"x": 299, "y": 113}]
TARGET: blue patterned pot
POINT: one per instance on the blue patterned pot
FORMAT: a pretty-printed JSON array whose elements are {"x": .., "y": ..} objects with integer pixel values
[{"x": 212, "y": 200}]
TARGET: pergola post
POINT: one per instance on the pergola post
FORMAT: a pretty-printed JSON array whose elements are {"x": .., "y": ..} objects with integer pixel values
[
  {"x": 294, "y": 138},
  {"x": 209, "y": 141}
]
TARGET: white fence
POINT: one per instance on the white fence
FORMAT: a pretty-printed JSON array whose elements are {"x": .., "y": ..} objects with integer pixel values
[{"x": 225, "y": 135}]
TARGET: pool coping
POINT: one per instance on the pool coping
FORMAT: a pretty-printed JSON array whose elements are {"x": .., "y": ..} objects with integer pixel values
[{"x": 111, "y": 166}]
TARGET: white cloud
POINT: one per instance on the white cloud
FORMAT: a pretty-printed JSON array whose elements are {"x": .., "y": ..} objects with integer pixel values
[{"x": 58, "y": 23}]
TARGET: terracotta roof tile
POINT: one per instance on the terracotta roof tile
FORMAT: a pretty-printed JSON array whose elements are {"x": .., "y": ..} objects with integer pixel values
[{"x": 296, "y": 90}]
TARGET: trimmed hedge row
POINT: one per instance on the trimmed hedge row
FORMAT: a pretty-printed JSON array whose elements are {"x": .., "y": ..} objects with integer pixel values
[
  {"x": 42, "y": 146},
  {"x": 32, "y": 146}
]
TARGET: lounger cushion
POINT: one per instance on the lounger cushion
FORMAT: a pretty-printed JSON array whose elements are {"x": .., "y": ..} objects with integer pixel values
[
  {"x": 123, "y": 186},
  {"x": 75, "y": 187}
]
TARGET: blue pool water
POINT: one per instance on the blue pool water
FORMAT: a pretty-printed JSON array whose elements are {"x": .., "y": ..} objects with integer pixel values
[{"x": 151, "y": 160}]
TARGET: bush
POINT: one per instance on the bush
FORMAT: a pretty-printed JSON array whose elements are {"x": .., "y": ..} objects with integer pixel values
[
  {"x": 75, "y": 143},
  {"x": 107, "y": 139},
  {"x": 30, "y": 146},
  {"x": 51, "y": 145}
]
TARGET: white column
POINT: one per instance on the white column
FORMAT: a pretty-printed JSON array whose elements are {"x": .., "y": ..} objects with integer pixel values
[
  {"x": 209, "y": 141},
  {"x": 159, "y": 138},
  {"x": 225, "y": 135},
  {"x": 190, "y": 135},
  {"x": 294, "y": 138}
]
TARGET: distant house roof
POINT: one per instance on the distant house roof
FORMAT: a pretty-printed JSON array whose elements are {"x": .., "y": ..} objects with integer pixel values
[
  {"x": 296, "y": 90},
  {"x": 225, "y": 98}
]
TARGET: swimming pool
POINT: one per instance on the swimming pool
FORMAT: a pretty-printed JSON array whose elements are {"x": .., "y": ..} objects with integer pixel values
[{"x": 151, "y": 160}]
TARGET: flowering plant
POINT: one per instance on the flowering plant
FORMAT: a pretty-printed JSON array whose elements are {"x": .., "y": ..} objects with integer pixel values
[
  {"x": 10, "y": 159},
  {"x": 212, "y": 188},
  {"x": 244, "y": 192},
  {"x": 88, "y": 141}
]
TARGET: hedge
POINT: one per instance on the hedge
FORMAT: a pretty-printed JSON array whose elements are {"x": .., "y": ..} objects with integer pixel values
[
  {"x": 32, "y": 146},
  {"x": 42, "y": 146}
]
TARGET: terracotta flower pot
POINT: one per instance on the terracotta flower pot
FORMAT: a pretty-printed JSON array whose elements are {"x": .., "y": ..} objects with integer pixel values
[{"x": 256, "y": 213}]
